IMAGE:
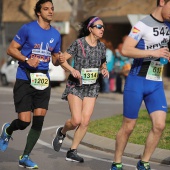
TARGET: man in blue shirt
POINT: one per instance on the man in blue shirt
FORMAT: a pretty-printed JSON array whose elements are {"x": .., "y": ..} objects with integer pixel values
[{"x": 33, "y": 46}]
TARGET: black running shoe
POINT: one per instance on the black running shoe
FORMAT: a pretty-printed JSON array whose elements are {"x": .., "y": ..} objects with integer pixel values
[
  {"x": 73, "y": 156},
  {"x": 58, "y": 140}
]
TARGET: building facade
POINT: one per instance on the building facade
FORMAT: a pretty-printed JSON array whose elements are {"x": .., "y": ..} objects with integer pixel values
[{"x": 118, "y": 17}]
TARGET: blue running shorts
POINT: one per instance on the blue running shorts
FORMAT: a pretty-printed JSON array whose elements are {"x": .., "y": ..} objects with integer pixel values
[{"x": 138, "y": 89}]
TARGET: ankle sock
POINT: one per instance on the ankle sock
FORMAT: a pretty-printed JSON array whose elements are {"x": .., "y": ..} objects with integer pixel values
[
  {"x": 117, "y": 163},
  {"x": 62, "y": 133},
  {"x": 144, "y": 162}
]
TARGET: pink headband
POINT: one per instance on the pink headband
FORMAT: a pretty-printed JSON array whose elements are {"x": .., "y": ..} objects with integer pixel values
[{"x": 92, "y": 21}]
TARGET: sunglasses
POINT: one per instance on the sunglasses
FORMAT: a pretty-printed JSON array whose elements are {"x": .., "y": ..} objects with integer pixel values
[{"x": 98, "y": 26}]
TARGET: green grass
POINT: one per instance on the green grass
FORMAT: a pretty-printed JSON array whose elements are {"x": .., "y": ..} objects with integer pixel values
[{"x": 109, "y": 127}]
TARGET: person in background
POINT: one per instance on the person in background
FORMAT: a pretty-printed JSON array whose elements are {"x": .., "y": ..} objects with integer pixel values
[
  {"x": 110, "y": 66},
  {"x": 119, "y": 63},
  {"x": 126, "y": 68},
  {"x": 144, "y": 82},
  {"x": 33, "y": 46},
  {"x": 106, "y": 83},
  {"x": 82, "y": 87}
]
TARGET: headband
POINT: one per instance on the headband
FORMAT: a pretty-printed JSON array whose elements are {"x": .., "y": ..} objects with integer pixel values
[{"x": 92, "y": 21}]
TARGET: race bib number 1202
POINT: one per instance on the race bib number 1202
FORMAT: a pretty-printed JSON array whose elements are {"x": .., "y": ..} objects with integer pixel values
[{"x": 39, "y": 81}]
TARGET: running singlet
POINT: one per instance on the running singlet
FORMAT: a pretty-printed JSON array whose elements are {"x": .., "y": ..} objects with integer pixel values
[
  {"x": 149, "y": 33},
  {"x": 37, "y": 42}
]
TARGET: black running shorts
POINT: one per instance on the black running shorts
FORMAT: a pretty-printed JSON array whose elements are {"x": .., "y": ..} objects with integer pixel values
[{"x": 27, "y": 98}]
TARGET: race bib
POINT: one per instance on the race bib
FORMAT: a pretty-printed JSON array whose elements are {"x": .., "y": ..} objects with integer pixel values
[
  {"x": 89, "y": 75},
  {"x": 39, "y": 81},
  {"x": 155, "y": 71}
]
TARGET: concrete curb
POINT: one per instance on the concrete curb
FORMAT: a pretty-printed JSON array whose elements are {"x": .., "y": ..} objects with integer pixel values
[
  {"x": 108, "y": 145},
  {"x": 132, "y": 150}
]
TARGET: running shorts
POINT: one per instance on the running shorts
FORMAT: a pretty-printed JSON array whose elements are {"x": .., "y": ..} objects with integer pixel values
[
  {"x": 138, "y": 89},
  {"x": 81, "y": 91},
  {"x": 27, "y": 98}
]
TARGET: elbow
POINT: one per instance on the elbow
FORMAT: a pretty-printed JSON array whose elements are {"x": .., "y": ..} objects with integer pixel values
[
  {"x": 55, "y": 63},
  {"x": 8, "y": 51},
  {"x": 124, "y": 52}
]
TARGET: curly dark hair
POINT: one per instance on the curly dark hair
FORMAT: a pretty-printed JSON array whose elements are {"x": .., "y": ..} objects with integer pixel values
[
  {"x": 37, "y": 8},
  {"x": 84, "y": 31}
]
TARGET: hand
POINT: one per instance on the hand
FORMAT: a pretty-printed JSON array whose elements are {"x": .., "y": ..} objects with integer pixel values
[
  {"x": 162, "y": 52},
  {"x": 76, "y": 73},
  {"x": 33, "y": 62},
  {"x": 105, "y": 72}
]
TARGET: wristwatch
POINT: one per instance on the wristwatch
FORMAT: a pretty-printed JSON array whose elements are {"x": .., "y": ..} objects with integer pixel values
[{"x": 26, "y": 59}]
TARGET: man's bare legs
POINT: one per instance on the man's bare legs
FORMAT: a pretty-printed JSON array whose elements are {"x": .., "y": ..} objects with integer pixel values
[
  {"x": 122, "y": 138},
  {"x": 158, "y": 124},
  {"x": 158, "y": 121}
]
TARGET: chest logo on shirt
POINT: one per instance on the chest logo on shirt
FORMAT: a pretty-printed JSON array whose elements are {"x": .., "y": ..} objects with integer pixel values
[
  {"x": 41, "y": 53},
  {"x": 52, "y": 40}
]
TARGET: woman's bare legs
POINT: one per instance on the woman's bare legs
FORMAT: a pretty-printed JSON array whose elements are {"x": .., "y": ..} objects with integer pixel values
[{"x": 81, "y": 111}]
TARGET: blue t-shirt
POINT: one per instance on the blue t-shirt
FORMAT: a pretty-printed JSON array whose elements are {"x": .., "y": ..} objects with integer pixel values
[{"x": 37, "y": 42}]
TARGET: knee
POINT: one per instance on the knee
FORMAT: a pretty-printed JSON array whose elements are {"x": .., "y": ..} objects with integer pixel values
[
  {"x": 22, "y": 125},
  {"x": 37, "y": 123},
  {"x": 158, "y": 127},
  {"x": 128, "y": 128},
  {"x": 85, "y": 122},
  {"x": 75, "y": 122}
]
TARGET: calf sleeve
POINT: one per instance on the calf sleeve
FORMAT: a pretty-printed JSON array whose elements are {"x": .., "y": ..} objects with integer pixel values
[
  {"x": 17, "y": 124},
  {"x": 37, "y": 123},
  {"x": 34, "y": 134}
]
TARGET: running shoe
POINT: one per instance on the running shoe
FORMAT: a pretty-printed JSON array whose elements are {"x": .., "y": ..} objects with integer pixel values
[
  {"x": 73, "y": 156},
  {"x": 26, "y": 162},
  {"x": 4, "y": 138},
  {"x": 116, "y": 166},
  {"x": 58, "y": 140},
  {"x": 143, "y": 166}
]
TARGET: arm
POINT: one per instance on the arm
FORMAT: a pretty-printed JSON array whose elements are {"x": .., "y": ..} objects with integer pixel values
[
  {"x": 55, "y": 58},
  {"x": 14, "y": 51},
  {"x": 103, "y": 66},
  {"x": 129, "y": 50},
  {"x": 104, "y": 71},
  {"x": 61, "y": 59}
]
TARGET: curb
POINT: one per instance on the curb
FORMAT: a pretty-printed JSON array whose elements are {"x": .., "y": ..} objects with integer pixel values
[{"x": 132, "y": 150}]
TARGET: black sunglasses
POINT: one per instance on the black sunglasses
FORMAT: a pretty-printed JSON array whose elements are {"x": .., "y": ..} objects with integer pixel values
[{"x": 98, "y": 26}]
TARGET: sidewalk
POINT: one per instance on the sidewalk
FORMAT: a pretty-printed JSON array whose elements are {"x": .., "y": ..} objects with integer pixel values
[{"x": 108, "y": 145}]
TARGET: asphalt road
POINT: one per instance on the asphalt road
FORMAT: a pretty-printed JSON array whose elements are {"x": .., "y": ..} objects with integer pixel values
[{"x": 43, "y": 154}]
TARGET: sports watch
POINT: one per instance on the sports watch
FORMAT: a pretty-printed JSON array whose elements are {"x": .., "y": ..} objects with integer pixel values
[{"x": 26, "y": 59}]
